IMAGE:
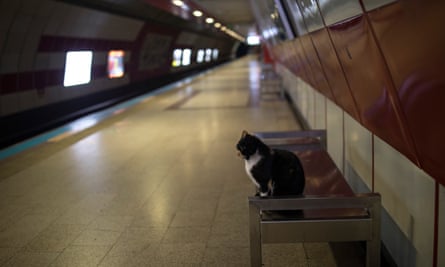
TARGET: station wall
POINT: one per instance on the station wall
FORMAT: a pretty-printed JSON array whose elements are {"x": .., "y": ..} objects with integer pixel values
[
  {"x": 370, "y": 73},
  {"x": 35, "y": 37}
]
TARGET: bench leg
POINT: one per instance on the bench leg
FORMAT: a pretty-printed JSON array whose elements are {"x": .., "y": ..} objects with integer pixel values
[
  {"x": 373, "y": 246},
  {"x": 255, "y": 236},
  {"x": 373, "y": 253}
]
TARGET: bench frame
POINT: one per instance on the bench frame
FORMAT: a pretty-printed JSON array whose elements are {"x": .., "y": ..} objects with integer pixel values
[{"x": 330, "y": 229}]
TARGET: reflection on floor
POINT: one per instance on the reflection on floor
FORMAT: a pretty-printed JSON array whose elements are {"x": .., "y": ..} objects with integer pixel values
[{"x": 156, "y": 185}]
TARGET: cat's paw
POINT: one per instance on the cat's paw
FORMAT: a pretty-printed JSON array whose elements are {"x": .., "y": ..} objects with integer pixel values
[
  {"x": 261, "y": 194},
  {"x": 264, "y": 194}
]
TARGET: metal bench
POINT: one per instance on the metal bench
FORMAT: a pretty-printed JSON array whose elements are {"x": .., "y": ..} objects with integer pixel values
[
  {"x": 329, "y": 211},
  {"x": 271, "y": 82}
]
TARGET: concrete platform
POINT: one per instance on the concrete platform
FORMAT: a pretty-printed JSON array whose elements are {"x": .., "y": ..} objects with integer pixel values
[{"x": 156, "y": 184}]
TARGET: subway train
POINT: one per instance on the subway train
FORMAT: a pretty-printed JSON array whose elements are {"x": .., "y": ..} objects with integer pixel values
[
  {"x": 369, "y": 72},
  {"x": 131, "y": 48}
]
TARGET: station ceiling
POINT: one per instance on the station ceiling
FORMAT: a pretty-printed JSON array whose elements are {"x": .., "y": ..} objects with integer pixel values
[{"x": 237, "y": 14}]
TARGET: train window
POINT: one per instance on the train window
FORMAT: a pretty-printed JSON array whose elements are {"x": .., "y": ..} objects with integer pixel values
[
  {"x": 186, "y": 56},
  {"x": 177, "y": 57},
  {"x": 200, "y": 56},
  {"x": 77, "y": 68},
  {"x": 215, "y": 54},
  {"x": 208, "y": 55},
  {"x": 115, "y": 64}
]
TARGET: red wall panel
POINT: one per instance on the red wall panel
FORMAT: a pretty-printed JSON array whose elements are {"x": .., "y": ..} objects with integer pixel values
[
  {"x": 321, "y": 83},
  {"x": 338, "y": 84},
  {"x": 303, "y": 65},
  {"x": 309, "y": 76},
  {"x": 412, "y": 39},
  {"x": 385, "y": 68},
  {"x": 370, "y": 83}
]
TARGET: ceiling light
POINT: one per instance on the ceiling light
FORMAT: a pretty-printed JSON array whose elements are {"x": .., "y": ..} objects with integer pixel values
[
  {"x": 209, "y": 20},
  {"x": 197, "y": 13},
  {"x": 178, "y": 3},
  {"x": 217, "y": 25},
  {"x": 253, "y": 40}
]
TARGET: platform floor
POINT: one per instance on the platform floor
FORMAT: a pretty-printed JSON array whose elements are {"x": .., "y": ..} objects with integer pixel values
[{"x": 158, "y": 184}]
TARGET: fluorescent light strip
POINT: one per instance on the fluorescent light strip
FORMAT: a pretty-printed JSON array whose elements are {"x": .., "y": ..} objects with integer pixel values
[
  {"x": 178, "y": 3},
  {"x": 197, "y": 13}
]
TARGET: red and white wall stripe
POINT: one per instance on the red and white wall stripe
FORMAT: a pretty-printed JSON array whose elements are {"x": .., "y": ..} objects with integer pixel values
[{"x": 36, "y": 36}]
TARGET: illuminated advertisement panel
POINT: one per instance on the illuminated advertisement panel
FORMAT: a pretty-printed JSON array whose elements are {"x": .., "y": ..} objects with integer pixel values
[
  {"x": 116, "y": 64},
  {"x": 77, "y": 68},
  {"x": 208, "y": 55},
  {"x": 215, "y": 54},
  {"x": 200, "y": 56},
  {"x": 177, "y": 57},
  {"x": 186, "y": 57}
]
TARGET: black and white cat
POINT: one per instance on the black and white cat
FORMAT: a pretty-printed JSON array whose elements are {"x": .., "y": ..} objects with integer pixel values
[{"x": 274, "y": 172}]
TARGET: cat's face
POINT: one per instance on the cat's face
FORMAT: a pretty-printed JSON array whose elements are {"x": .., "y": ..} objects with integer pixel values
[{"x": 247, "y": 145}]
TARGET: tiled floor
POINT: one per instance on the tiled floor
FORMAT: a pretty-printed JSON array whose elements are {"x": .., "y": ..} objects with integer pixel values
[{"x": 156, "y": 185}]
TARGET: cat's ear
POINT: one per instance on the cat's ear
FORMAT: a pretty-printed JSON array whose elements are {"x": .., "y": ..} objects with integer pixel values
[{"x": 244, "y": 133}]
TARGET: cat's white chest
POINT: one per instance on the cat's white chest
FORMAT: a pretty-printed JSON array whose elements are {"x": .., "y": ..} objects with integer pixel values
[{"x": 252, "y": 161}]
